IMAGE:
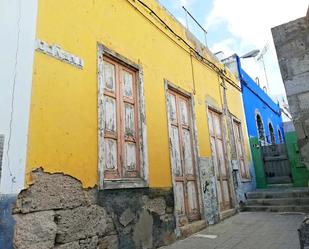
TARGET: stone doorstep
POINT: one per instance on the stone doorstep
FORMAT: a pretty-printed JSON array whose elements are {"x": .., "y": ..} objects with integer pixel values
[
  {"x": 296, "y": 201},
  {"x": 278, "y": 194},
  {"x": 293, "y": 209},
  {"x": 192, "y": 228},
  {"x": 227, "y": 213}
]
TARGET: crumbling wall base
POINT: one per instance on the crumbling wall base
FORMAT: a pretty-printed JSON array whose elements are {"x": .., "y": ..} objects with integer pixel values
[{"x": 56, "y": 212}]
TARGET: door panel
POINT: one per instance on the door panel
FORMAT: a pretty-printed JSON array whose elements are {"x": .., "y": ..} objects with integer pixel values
[
  {"x": 175, "y": 153},
  {"x": 187, "y": 153},
  {"x": 226, "y": 193},
  {"x": 182, "y": 158},
  {"x": 214, "y": 155},
  {"x": 222, "y": 164},
  {"x": 240, "y": 150},
  {"x": 276, "y": 164},
  {"x": 220, "y": 198},
  {"x": 218, "y": 156},
  {"x": 180, "y": 201},
  {"x": 192, "y": 199}
]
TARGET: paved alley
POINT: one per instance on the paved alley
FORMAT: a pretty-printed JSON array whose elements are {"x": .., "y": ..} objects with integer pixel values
[{"x": 248, "y": 231}]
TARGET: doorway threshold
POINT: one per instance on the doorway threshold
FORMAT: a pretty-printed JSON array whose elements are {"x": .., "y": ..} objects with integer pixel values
[
  {"x": 227, "y": 213},
  {"x": 192, "y": 228}
]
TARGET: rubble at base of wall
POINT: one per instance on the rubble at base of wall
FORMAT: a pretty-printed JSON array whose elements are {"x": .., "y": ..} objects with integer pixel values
[{"x": 56, "y": 212}]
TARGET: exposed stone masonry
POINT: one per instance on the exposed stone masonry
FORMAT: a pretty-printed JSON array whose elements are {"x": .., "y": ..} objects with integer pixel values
[
  {"x": 56, "y": 212},
  {"x": 292, "y": 46},
  {"x": 143, "y": 218}
]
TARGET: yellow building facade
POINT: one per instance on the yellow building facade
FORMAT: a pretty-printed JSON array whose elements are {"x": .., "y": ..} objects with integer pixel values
[{"x": 66, "y": 130}]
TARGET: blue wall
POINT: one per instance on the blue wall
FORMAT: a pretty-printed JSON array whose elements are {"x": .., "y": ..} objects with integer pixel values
[
  {"x": 7, "y": 221},
  {"x": 257, "y": 101}
]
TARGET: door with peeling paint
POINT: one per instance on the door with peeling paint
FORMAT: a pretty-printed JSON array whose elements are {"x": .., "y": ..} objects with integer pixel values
[
  {"x": 218, "y": 156},
  {"x": 183, "y": 158}
]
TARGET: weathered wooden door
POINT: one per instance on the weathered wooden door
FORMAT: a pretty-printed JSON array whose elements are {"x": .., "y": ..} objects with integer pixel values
[
  {"x": 276, "y": 164},
  {"x": 218, "y": 155},
  {"x": 183, "y": 157}
]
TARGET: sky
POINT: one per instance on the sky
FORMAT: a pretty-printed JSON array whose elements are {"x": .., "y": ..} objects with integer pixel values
[{"x": 240, "y": 26}]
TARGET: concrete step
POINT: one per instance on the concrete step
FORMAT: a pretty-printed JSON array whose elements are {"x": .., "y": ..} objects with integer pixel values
[
  {"x": 281, "y": 185},
  {"x": 298, "y": 209},
  {"x": 279, "y": 202},
  {"x": 192, "y": 228},
  {"x": 276, "y": 194}
]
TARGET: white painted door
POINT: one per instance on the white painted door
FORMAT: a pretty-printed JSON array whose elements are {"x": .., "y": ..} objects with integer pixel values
[
  {"x": 182, "y": 158},
  {"x": 218, "y": 156}
]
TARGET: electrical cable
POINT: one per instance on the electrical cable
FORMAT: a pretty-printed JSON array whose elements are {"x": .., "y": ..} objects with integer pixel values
[{"x": 205, "y": 61}]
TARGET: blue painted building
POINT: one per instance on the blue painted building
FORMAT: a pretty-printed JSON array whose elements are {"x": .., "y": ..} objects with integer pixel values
[{"x": 263, "y": 117}]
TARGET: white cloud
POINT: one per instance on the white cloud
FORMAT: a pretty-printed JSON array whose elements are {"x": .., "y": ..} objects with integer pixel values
[
  {"x": 179, "y": 3},
  {"x": 226, "y": 46},
  {"x": 186, "y": 3},
  {"x": 251, "y": 22}
]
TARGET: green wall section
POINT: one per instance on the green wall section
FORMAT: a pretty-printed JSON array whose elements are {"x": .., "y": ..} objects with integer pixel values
[
  {"x": 258, "y": 163},
  {"x": 300, "y": 174}
]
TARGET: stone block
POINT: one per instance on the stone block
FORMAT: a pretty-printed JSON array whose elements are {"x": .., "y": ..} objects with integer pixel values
[
  {"x": 108, "y": 242},
  {"x": 146, "y": 204},
  {"x": 156, "y": 205},
  {"x": 89, "y": 243},
  {"x": 81, "y": 223},
  {"x": 35, "y": 230},
  {"x": 91, "y": 196},
  {"x": 51, "y": 192},
  {"x": 143, "y": 231},
  {"x": 71, "y": 245},
  {"x": 126, "y": 217},
  {"x": 303, "y": 99},
  {"x": 300, "y": 130},
  {"x": 192, "y": 228},
  {"x": 163, "y": 229}
]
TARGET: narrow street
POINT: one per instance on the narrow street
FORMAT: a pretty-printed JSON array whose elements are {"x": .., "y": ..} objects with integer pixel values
[{"x": 248, "y": 231}]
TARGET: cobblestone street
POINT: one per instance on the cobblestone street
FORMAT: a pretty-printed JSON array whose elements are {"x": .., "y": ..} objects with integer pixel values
[{"x": 248, "y": 231}]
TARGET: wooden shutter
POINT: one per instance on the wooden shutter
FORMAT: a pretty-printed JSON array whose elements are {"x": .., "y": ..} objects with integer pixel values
[{"x": 121, "y": 137}]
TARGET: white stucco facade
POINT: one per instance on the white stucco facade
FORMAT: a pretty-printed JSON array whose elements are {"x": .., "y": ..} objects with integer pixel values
[{"x": 17, "y": 40}]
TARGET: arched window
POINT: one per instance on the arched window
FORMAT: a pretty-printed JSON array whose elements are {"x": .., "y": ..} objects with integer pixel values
[
  {"x": 271, "y": 134},
  {"x": 280, "y": 136},
  {"x": 260, "y": 128}
]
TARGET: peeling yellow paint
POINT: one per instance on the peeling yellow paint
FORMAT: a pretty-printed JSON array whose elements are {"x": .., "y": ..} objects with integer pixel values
[{"x": 63, "y": 122}]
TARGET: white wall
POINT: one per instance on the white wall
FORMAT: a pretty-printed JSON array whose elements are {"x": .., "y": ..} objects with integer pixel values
[{"x": 17, "y": 19}]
